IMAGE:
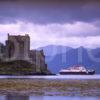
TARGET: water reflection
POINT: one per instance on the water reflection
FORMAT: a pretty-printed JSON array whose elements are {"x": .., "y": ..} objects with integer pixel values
[
  {"x": 9, "y": 97},
  {"x": 17, "y": 97},
  {"x": 53, "y": 77}
]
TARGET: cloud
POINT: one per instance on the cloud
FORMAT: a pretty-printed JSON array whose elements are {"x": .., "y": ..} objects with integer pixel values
[
  {"x": 49, "y": 11},
  {"x": 69, "y": 34},
  {"x": 61, "y": 22}
]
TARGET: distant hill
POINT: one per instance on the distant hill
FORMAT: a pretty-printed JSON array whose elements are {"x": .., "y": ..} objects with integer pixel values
[
  {"x": 52, "y": 50},
  {"x": 58, "y": 57}
]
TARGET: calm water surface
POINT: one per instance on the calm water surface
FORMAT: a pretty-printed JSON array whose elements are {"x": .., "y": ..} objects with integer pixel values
[
  {"x": 56, "y": 77},
  {"x": 46, "y": 98}
]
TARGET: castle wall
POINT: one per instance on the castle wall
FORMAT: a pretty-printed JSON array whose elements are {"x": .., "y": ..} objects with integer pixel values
[
  {"x": 2, "y": 51},
  {"x": 38, "y": 59},
  {"x": 17, "y": 47}
]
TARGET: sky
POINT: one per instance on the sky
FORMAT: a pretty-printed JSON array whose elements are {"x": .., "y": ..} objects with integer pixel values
[{"x": 71, "y": 23}]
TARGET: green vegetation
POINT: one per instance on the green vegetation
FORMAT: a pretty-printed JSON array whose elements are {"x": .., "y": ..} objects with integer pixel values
[{"x": 19, "y": 67}]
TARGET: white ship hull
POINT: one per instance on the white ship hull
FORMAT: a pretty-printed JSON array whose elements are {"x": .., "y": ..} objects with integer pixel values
[{"x": 76, "y": 70}]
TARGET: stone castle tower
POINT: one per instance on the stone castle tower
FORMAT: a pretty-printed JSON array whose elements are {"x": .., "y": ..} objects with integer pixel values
[{"x": 17, "y": 47}]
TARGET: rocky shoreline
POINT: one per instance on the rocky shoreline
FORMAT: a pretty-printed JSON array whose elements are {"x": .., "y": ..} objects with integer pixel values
[{"x": 46, "y": 87}]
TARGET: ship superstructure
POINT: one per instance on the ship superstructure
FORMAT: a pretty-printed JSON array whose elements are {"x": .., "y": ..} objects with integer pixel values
[{"x": 76, "y": 70}]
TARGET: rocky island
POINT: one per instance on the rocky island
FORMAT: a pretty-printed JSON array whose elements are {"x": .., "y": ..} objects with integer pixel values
[{"x": 16, "y": 58}]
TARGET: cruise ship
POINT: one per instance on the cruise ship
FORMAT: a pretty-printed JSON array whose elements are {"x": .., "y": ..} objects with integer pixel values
[{"x": 76, "y": 70}]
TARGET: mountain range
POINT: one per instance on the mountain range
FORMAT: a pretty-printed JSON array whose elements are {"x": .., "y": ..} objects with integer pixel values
[{"x": 58, "y": 57}]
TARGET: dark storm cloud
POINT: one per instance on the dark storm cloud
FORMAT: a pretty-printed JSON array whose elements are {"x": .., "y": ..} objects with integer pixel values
[
  {"x": 62, "y": 22},
  {"x": 49, "y": 11}
]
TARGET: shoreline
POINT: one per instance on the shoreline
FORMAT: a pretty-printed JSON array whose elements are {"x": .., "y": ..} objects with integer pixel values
[{"x": 45, "y": 87}]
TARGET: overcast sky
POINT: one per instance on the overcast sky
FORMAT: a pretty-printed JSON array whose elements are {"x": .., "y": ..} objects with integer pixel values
[{"x": 60, "y": 22}]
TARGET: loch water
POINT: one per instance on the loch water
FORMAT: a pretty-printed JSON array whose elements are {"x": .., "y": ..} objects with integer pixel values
[
  {"x": 53, "y": 77},
  {"x": 46, "y": 98}
]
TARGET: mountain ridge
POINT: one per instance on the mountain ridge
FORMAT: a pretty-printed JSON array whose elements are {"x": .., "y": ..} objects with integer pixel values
[{"x": 71, "y": 56}]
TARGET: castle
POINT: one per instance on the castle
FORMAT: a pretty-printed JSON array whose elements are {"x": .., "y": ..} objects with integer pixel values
[{"x": 18, "y": 48}]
